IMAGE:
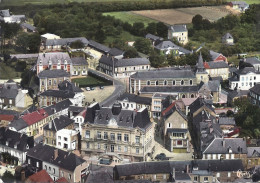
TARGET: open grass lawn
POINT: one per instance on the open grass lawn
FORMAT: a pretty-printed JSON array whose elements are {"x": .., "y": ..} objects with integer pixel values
[
  {"x": 89, "y": 81},
  {"x": 252, "y": 1},
  {"x": 126, "y": 36},
  {"x": 7, "y": 72},
  {"x": 130, "y": 17}
]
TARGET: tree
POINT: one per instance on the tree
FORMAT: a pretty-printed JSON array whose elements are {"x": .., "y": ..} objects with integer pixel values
[
  {"x": 130, "y": 52},
  {"x": 138, "y": 29},
  {"x": 151, "y": 28},
  {"x": 34, "y": 41},
  {"x": 143, "y": 45},
  {"x": 197, "y": 22},
  {"x": 162, "y": 30},
  {"x": 100, "y": 36},
  {"x": 77, "y": 44},
  {"x": 8, "y": 177},
  {"x": 156, "y": 59}
]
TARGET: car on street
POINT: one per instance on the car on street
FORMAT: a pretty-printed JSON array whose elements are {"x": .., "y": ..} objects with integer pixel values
[
  {"x": 92, "y": 88},
  {"x": 105, "y": 161},
  {"x": 161, "y": 156},
  {"x": 88, "y": 88},
  {"x": 101, "y": 87}
]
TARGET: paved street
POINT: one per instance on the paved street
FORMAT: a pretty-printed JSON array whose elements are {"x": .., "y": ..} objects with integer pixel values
[{"x": 118, "y": 85}]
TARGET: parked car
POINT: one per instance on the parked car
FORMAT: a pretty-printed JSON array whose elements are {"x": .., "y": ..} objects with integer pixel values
[
  {"x": 88, "y": 88},
  {"x": 101, "y": 87},
  {"x": 161, "y": 156},
  {"x": 105, "y": 161},
  {"x": 92, "y": 88}
]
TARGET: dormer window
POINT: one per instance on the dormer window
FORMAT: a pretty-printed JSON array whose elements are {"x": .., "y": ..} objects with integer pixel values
[
  {"x": 15, "y": 146},
  {"x": 6, "y": 143}
]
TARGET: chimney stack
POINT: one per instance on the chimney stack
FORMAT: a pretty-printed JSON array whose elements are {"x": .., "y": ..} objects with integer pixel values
[{"x": 56, "y": 154}]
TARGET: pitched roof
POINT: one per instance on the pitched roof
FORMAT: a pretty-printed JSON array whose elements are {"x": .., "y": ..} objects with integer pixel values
[
  {"x": 253, "y": 152},
  {"x": 215, "y": 65},
  {"x": 35, "y": 116},
  {"x": 108, "y": 60},
  {"x": 59, "y": 123},
  {"x": 226, "y": 121},
  {"x": 98, "y": 46},
  {"x": 246, "y": 70},
  {"x": 41, "y": 176},
  {"x": 14, "y": 138},
  {"x": 200, "y": 65},
  {"x": 164, "y": 73},
  {"x": 79, "y": 61},
  {"x": 62, "y": 105},
  {"x": 18, "y": 124},
  {"x": 69, "y": 86},
  {"x": 65, "y": 160},
  {"x": 169, "y": 89},
  {"x": 224, "y": 145},
  {"x": 53, "y": 74},
  {"x": 178, "y": 28},
  {"x": 6, "y": 117},
  {"x": 165, "y": 45},
  {"x": 115, "y": 52},
  {"x": 227, "y": 36},
  {"x": 9, "y": 92},
  {"x": 76, "y": 109},
  {"x": 255, "y": 89},
  {"x": 25, "y": 56},
  {"x": 66, "y": 41},
  {"x": 28, "y": 26},
  {"x": 135, "y": 98},
  {"x": 252, "y": 60},
  {"x": 58, "y": 93},
  {"x": 198, "y": 103},
  {"x": 53, "y": 58},
  {"x": 5, "y": 13},
  {"x": 153, "y": 37}
]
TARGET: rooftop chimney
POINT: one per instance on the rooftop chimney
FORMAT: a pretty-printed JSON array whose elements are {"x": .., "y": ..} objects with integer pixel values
[{"x": 56, "y": 153}]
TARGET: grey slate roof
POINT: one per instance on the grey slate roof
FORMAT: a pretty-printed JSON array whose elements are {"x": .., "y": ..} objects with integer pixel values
[
  {"x": 65, "y": 160},
  {"x": 252, "y": 60},
  {"x": 135, "y": 98},
  {"x": 59, "y": 123},
  {"x": 164, "y": 74},
  {"x": 253, "y": 152},
  {"x": 227, "y": 36},
  {"x": 53, "y": 74},
  {"x": 58, "y": 93},
  {"x": 28, "y": 26},
  {"x": 108, "y": 60},
  {"x": 25, "y": 56},
  {"x": 79, "y": 61},
  {"x": 65, "y": 41},
  {"x": 76, "y": 109},
  {"x": 164, "y": 45},
  {"x": 237, "y": 93},
  {"x": 241, "y": 4},
  {"x": 18, "y": 124},
  {"x": 69, "y": 86},
  {"x": 153, "y": 37},
  {"x": 115, "y": 52},
  {"x": 255, "y": 89},
  {"x": 217, "y": 65},
  {"x": 245, "y": 70},
  {"x": 98, "y": 46},
  {"x": 15, "y": 138},
  {"x": 214, "y": 85},
  {"x": 227, "y": 121},
  {"x": 176, "y": 130},
  {"x": 5, "y": 13},
  {"x": 222, "y": 146},
  {"x": 8, "y": 93},
  {"x": 178, "y": 28},
  {"x": 169, "y": 89},
  {"x": 54, "y": 57},
  {"x": 198, "y": 103},
  {"x": 58, "y": 107}
]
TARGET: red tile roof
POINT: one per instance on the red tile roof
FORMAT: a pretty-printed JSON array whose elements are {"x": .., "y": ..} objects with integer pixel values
[
  {"x": 206, "y": 65},
  {"x": 62, "y": 179},
  {"x": 6, "y": 117},
  {"x": 41, "y": 176},
  {"x": 34, "y": 117},
  {"x": 168, "y": 108}
]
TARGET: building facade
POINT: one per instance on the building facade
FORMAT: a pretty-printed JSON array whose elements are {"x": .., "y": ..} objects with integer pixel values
[{"x": 179, "y": 32}]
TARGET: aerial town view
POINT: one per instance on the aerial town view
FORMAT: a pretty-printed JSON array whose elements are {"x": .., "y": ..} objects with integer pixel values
[{"x": 129, "y": 91}]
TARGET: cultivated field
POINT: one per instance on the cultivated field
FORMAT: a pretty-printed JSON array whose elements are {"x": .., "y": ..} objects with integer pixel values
[{"x": 184, "y": 15}]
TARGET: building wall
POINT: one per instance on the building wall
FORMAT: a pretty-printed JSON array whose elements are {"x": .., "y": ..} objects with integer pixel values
[
  {"x": 51, "y": 83},
  {"x": 245, "y": 82},
  {"x": 52, "y": 170},
  {"x": 223, "y": 72},
  {"x": 14, "y": 152},
  {"x": 79, "y": 70},
  {"x": 182, "y": 37}
]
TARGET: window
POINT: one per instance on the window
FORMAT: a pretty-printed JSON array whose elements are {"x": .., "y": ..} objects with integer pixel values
[
  {"x": 179, "y": 142},
  {"x": 229, "y": 174},
  {"x": 112, "y": 136},
  {"x": 54, "y": 170},
  {"x": 45, "y": 167},
  {"x": 65, "y": 146},
  {"x": 192, "y": 96},
  {"x": 42, "y": 82},
  {"x": 87, "y": 145},
  {"x": 183, "y": 96},
  {"x": 37, "y": 164},
  {"x": 98, "y": 146},
  {"x": 119, "y": 148},
  {"x": 137, "y": 150},
  {"x": 105, "y": 147},
  {"x": 126, "y": 149},
  {"x": 173, "y": 82},
  {"x": 191, "y": 82},
  {"x": 69, "y": 176},
  {"x": 29, "y": 161},
  {"x": 182, "y": 82},
  {"x": 206, "y": 179},
  {"x": 105, "y": 136},
  {"x": 119, "y": 137},
  {"x": 87, "y": 134},
  {"x": 99, "y": 135},
  {"x": 112, "y": 148},
  {"x": 137, "y": 139},
  {"x": 126, "y": 138},
  {"x": 165, "y": 82},
  {"x": 54, "y": 82},
  {"x": 156, "y": 83},
  {"x": 195, "y": 178},
  {"x": 49, "y": 82},
  {"x": 65, "y": 139},
  {"x": 218, "y": 175}
]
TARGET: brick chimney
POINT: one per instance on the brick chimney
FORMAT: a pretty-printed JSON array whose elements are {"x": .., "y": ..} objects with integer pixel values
[{"x": 56, "y": 153}]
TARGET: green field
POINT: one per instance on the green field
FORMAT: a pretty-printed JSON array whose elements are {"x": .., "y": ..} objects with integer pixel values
[
  {"x": 126, "y": 36},
  {"x": 7, "y": 72},
  {"x": 130, "y": 17},
  {"x": 253, "y": 1},
  {"x": 89, "y": 81}
]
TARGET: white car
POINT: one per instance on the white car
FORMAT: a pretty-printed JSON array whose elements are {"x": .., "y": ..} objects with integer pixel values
[{"x": 88, "y": 88}]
